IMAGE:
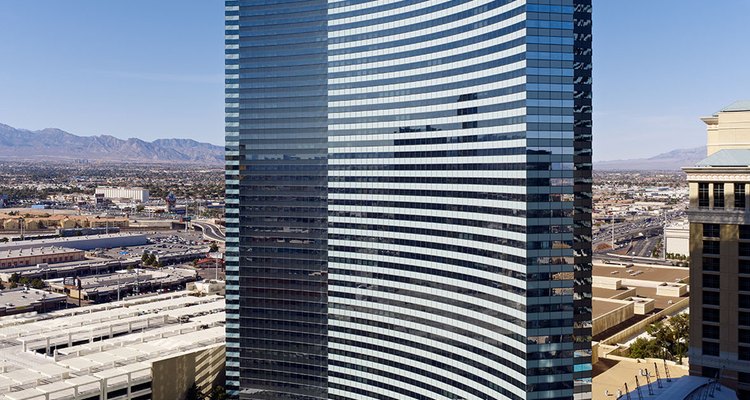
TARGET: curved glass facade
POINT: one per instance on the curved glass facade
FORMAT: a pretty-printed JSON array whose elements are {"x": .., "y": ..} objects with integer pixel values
[{"x": 452, "y": 221}]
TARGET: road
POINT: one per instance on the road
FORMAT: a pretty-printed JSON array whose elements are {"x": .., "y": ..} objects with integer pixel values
[
  {"x": 210, "y": 231},
  {"x": 643, "y": 247}
]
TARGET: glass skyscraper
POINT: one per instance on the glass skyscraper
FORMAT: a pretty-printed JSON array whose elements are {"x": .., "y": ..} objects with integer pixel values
[{"x": 408, "y": 199}]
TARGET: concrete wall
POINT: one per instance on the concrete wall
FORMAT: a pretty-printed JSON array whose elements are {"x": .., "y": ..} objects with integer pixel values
[
  {"x": 672, "y": 289},
  {"x": 678, "y": 240},
  {"x": 172, "y": 377},
  {"x": 624, "y": 312},
  {"x": 642, "y": 305},
  {"x": 624, "y": 294},
  {"x": 605, "y": 282},
  {"x": 640, "y": 327},
  {"x": 594, "y": 352},
  {"x": 42, "y": 258}
]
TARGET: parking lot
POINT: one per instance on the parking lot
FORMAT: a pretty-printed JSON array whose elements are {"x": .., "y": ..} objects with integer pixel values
[{"x": 161, "y": 243}]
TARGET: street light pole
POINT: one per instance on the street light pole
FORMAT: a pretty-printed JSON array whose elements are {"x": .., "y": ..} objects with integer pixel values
[{"x": 613, "y": 230}]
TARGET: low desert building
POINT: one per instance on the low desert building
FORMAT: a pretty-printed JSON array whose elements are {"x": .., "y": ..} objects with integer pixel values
[{"x": 40, "y": 255}]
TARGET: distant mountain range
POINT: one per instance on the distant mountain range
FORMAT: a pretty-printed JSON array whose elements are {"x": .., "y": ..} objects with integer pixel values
[
  {"x": 670, "y": 161},
  {"x": 55, "y": 144}
]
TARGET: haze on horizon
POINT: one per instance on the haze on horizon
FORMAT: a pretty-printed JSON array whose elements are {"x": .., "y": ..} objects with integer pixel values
[{"x": 155, "y": 70}]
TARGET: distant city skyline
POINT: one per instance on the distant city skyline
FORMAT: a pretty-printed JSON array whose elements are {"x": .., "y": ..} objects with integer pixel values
[{"x": 656, "y": 72}]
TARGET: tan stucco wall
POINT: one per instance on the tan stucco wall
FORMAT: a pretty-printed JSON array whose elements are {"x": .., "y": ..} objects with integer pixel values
[
  {"x": 731, "y": 130},
  {"x": 173, "y": 376},
  {"x": 606, "y": 282},
  {"x": 672, "y": 290},
  {"x": 729, "y": 288},
  {"x": 612, "y": 318},
  {"x": 25, "y": 260}
]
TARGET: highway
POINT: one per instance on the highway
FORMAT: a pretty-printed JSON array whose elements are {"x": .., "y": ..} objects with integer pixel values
[
  {"x": 210, "y": 231},
  {"x": 640, "y": 234}
]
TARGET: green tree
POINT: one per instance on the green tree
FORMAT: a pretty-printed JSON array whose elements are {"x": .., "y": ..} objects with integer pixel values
[
  {"x": 152, "y": 259},
  {"x": 218, "y": 393},
  {"x": 671, "y": 338},
  {"x": 194, "y": 394},
  {"x": 644, "y": 348},
  {"x": 144, "y": 257},
  {"x": 37, "y": 283},
  {"x": 680, "y": 326},
  {"x": 214, "y": 247},
  {"x": 24, "y": 280},
  {"x": 14, "y": 278}
]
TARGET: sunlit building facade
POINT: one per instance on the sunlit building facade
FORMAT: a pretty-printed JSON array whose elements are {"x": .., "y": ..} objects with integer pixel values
[
  {"x": 409, "y": 199},
  {"x": 719, "y": 216}
]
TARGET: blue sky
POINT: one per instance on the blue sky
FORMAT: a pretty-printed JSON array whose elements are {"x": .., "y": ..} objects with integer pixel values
[
  {"x": 154, "y": 69},
  {"x": 135, "y": 68}
]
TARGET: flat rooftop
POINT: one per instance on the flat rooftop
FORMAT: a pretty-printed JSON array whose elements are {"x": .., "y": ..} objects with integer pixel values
[
  {"x": 36, "y": 251},
  {"x": 642, "y": 273},
  {"x": 110, "y": 341},
  {"x": 110, "y": 282},
  {"x": 660, "y": 302},
  {"x": 602, "y": 306},
  {"x": 622, "y": 372},
  {"x": 72, "y": 240},
  {"x": 66, "y": 266},
  {"x": 607, "y": 293},
  {"x": 20, "y": 298}
]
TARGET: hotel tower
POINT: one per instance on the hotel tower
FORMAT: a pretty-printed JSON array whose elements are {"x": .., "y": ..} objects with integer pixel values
[{"x": 408, "y": 199}]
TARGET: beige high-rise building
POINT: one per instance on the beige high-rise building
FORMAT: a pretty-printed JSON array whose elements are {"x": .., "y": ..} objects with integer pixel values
[
  {"x": 719, "y": 217},
  {"x": 729, "y": 129}
]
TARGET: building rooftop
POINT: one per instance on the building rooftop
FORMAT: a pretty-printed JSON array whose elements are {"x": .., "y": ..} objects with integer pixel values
[
  {"x": 66, "y": 267},
  {"x": 602, "y": 306},
  {"x": 37, "y": 251},
  {"x": 660, "y": 302},
  {"x": 640, "y": 272},
  {"x": 740, "y": 105},
  {"x": 121, "y": 187},
  {"x": 619, "y": 373},
  {"x": 21, "y": 298},
  {"x": 686, "y": 387},
  {"x": 112, "y": 282},
  {"x": 727, "y": 158},
  {"x": 678, "y": 224},
  {"x": 104, "y": 343},
  {"x": 71, "y": 241},
  {"x": 608, "y": 293}
]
